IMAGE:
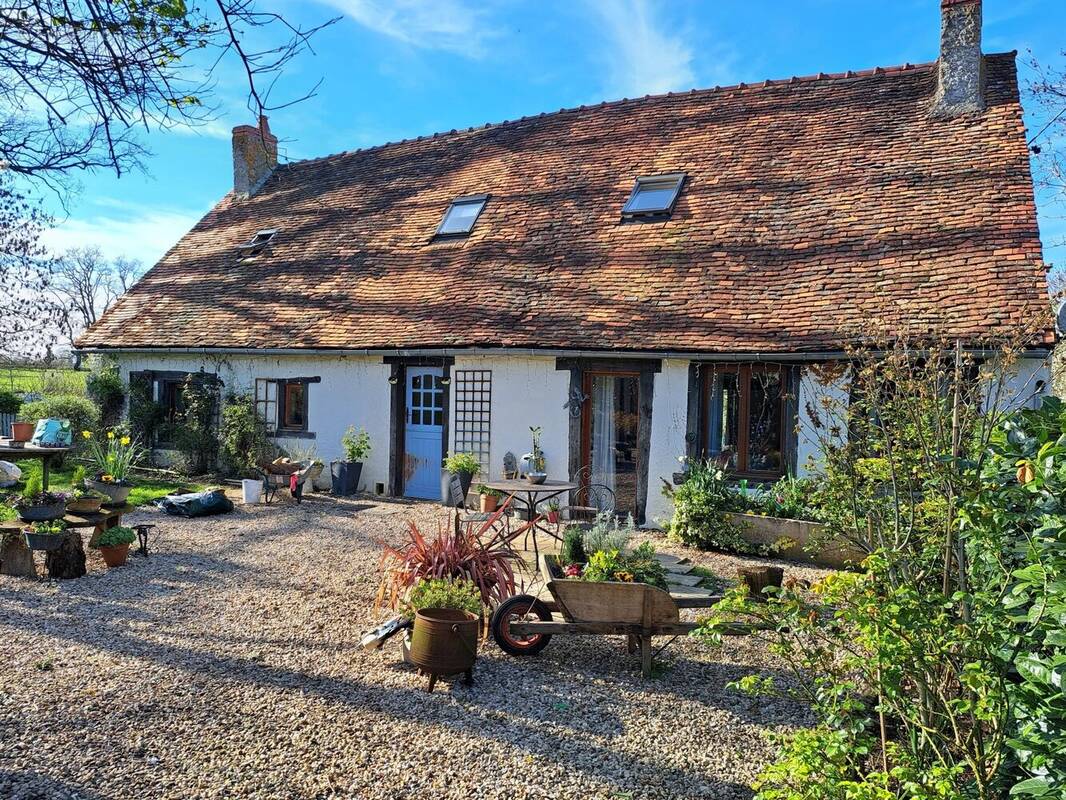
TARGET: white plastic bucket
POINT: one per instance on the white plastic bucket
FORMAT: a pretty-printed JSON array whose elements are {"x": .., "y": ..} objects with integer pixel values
[{"x": 251, "y": 491}]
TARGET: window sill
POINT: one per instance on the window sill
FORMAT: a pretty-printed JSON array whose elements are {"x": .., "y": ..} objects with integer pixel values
[{"x": 284, "y": 434}]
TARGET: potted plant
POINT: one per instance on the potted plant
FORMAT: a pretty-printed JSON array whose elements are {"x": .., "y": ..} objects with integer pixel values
[
  {"x": 37, "y": 505},
  {"x": 490, "y": 498},
  {"x": 112, "y": 465},
  {"x": 535, "y": 460},
  {"x": 45, "y": 535},
  {"x": 447, "y": 616},
  {"x": 114, "y": 545},
  {"x": 466, "y": 466},
  {"x": 553, "y": 512},
  {"x": 9, "y": 407},
  {"x": 81, "y": 500},
  {"x": 346, "y": 473}
]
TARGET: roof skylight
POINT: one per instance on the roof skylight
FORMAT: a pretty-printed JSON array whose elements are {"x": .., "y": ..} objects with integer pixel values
[
  {"x": 258, "y": 242},
  {"x": 461, "y": 215},
  {"x": 654, "y": 195}
]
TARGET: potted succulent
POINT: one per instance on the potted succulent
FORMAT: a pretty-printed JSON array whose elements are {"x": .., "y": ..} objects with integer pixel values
[
  {"x": 535, "y": 460},
  {"x": 112, "y": 465},
  {"x": 346, "y": 473},
  {"x": 114, "y": 545},
  {"x": 490, "y": 498},
  {"x": 45, "y": 535},
  {"x": 466, "y": 466},
  {"x": 37, "y": 505}
]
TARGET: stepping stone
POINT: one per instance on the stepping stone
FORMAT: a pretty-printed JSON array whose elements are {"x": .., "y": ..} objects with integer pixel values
[
  {"x": 674, "y": 579},
  {"x": 679, "y": 569},
  {"x": 691, "y": 596},
  {"x": 668, "y": 560}
]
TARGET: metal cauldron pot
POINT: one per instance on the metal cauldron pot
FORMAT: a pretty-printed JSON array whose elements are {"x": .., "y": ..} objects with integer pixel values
[{"x": 444, "y": 642}]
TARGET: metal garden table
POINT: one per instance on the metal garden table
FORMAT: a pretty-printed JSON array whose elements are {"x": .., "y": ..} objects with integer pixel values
[{"x": 530, "y": 495}]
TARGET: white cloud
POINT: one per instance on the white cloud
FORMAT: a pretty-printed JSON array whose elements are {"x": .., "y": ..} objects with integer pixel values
[
  {"x": 641, "y": 57},
  {"x": 142, "y": 234},
  {"x": 452, "y": 25}
]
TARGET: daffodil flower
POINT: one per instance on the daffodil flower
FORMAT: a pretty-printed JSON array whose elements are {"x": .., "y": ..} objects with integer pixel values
[
  {"x": 86, "y": 434},
  {"x": 110, "y": 434},
  {"x": 125, "y": 440}
]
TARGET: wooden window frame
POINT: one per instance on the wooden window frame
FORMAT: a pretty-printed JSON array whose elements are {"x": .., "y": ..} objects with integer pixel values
[
  {"x": 272, "y": 411},
  {"x": 744, "y": 373}
]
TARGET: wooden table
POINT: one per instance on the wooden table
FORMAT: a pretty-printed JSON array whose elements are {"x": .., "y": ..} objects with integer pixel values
[
  {"x": 68, "y": 560},
  {"x": 535, "y": 493},
  {"x": 8, "y": 452}
]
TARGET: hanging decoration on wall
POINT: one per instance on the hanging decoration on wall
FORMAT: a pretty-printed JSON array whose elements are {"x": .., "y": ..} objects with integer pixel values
[{"x": 576, "y": 401}]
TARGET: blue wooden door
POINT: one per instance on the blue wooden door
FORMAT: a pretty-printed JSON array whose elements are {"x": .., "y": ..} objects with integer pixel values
[{"x": 424, "y": 432}]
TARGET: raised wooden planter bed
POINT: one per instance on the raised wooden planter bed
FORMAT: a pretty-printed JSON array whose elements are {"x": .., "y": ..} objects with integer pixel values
[{"x": 767, "y": 530}]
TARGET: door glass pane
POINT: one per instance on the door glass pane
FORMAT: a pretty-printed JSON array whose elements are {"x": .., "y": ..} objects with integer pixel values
[
  {"x": 416, "y": 382},
  {"x": 722, "y": 418},
  {"x": 613, "y": 438},
  {"x": 764, "y": 422}
]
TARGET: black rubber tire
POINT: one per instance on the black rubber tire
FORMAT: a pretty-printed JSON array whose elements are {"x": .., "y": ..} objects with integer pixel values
[{"x": 520, "y": 604}]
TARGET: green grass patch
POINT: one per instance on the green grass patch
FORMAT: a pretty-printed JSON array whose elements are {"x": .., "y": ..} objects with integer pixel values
[
  {"x": 709, "y": 579},
  {"x": 145, "y": 490},
  {"x": 61, "y": 380}
]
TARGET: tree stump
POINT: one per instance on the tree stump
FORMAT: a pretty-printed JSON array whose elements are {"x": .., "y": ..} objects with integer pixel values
[
  {"x": 15, "y": 558},
  {"x": 758, "y": 578},
  {"x": 68, "y": 560}
]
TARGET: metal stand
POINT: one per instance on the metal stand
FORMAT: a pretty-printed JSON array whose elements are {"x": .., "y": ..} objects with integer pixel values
[{"x": 142, "y": 537}]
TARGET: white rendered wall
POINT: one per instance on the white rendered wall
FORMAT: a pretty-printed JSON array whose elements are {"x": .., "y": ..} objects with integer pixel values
[
  {"x": 1024, "y": 384},
  {"x": 668, "y": 428},
  {"x": 353, "y": 391},
  {"x": 526, "y": 390}
]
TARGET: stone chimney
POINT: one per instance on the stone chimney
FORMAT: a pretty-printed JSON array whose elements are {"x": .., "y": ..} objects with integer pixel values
[
  {"x": 255, "y": 155},
  {"x": 960, "y": 83}
]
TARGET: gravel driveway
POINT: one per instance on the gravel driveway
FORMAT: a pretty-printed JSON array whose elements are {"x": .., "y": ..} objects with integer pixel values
[{"x": 227, "y": 665}]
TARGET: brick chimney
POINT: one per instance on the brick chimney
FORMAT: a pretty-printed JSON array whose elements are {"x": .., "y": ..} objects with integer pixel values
[
  {"x": 255, "y": 155},
  {"x": 960, "y": 84}
]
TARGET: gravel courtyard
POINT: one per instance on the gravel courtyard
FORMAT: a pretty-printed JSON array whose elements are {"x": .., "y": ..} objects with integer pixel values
[{"x": 227, "y": 665}]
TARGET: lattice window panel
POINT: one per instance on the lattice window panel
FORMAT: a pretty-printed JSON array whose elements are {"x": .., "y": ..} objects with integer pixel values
[{"x": 473, "y": 414}]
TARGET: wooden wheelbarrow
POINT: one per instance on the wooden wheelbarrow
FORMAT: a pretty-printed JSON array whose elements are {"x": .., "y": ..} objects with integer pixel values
[{"x": 523, "y": 625}]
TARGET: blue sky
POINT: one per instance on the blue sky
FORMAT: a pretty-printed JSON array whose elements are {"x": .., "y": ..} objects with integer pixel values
[{"x": 394, "y": 69}]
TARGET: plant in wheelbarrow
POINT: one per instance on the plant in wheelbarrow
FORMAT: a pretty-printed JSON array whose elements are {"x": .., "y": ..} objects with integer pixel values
[{"x": 114, "y": 545}]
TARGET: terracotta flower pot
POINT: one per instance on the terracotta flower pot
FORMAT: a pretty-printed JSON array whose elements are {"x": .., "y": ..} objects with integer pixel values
[
  {"x": 22, "y": 431},
  {"x": 115, "y": 556},
  {"x": 553, "y": 517},
  {"x": 489, "y": 502}
]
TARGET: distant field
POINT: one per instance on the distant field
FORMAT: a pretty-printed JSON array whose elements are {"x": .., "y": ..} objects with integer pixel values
[{"x": 46, "y": 381}]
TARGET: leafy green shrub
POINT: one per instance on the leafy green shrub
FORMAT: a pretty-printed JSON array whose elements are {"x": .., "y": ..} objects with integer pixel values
[
  {"x": 10, "y": 403},
  {"x": 701, "y": 507},
  {"x": 573, "y": 548},
  {"x": 80, "y": 411},
  {"x": 195, "y": 435},
  {"x": 144, "y": 414},
  {"x": 104, "y": 387},
  {"x": 462, "y": 464},
  {"x": 444, "y": 593},
  {"x": 790, "y": 498},
  {"x": 608, "y": 533},
  {"x": 113, "y": 537},
  {"x": 356, "y": 444},
  {"x": 243, "y": 440}
]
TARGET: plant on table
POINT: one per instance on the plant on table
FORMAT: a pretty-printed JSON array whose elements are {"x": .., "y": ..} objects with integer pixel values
[
  {"x": 490, "y": 498},
  {"x": 477, "y": 554},
  {"x": 113, "y": 457},
  {"x": 33, "y": 503},
  {"x": 535, "y": 458}
]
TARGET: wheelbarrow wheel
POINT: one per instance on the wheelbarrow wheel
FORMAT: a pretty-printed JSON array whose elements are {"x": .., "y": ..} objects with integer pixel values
[{"x": 520, "y": 608}]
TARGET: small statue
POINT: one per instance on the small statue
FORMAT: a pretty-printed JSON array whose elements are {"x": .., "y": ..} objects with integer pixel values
[{"x": 510, "y": 466}]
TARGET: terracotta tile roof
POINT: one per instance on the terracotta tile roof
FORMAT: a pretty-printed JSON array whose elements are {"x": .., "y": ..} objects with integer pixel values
[{"x": 808, "y": 204}]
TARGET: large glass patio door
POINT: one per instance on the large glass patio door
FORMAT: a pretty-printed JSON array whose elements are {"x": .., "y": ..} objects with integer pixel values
[{"x": 611, "y": 454}]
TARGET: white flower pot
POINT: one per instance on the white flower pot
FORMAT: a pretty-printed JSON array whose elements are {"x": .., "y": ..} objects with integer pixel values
[{"x": 251, "y": 491}]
